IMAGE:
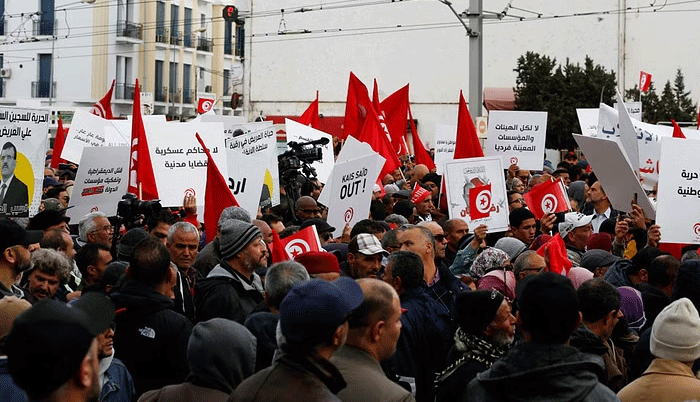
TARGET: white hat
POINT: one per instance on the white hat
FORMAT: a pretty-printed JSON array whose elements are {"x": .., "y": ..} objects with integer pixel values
[
  {"x": 675, "y": 334},
  {"x": 573, "y": 220}
]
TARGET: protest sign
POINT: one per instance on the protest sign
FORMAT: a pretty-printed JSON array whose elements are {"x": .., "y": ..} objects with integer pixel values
[
  {"x": 179, "y": 162},
  {"x": 628, "y": 134},
  {"x": 88, "y": 130},
  {"x": 517, "y": 138},
  {"x": 101, "y": 181},
  {"x": 615, "y": 174},
  {"x": 24, "y": 146},
  {"x": 588, "y": 120},
  {"x": 299, "y": 133},
  {"x": 445, "y": 142},
  {"x": 633, "y": 108},
  {"x": 678, "y": 199},
  {"x": 490, "y": 205},
  {"x": 351, "y": 191},
  {"x": 249, "y": 162},
  {"x": 549, "y": 197}
]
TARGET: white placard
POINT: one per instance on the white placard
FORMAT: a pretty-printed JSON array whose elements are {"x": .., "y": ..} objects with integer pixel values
[
  {"x": 628, "y": 134},
  {"x": 24, "y": 137},
  {"x": 588, "y": 120},
  {"x": 88, "y": 130},
  {"x": 179, "y": 162},
  {"x": 297, "y": 132},
  {"x": 615, "y": 174},
  {"x": 445, "y": 141},
  {"x": 101, "y": 181},
  {"x": 678, "y": 199},
  {"x": 351, "y": 191},
  {"x": 517, "y": 138},
  {"x": 633, "y": 108},
  {"x": 461, "y": 175},
  {"x": 249, "y": 157}
]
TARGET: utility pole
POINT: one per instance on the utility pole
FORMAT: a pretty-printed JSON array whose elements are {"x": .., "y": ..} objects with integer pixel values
[{"x": 476, "y": 55}]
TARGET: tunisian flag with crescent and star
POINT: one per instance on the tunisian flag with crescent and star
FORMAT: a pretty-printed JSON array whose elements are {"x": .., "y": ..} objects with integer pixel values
[
  {"x": 103, "y": 107},
  {"x": 300, "y": 242},
  {"x": 480, "y": 202},
  {"x": 549, "y": 197}
]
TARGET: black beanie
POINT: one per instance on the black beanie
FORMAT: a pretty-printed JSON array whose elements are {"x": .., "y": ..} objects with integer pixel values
[{"x": 476, "y": 309}]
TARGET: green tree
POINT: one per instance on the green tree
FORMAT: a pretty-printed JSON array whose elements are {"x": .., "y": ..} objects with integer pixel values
[
  {"x": 542, "y": 85},
  {"x": 674, "y": 102},
  {"x": 650, "y": 103}
]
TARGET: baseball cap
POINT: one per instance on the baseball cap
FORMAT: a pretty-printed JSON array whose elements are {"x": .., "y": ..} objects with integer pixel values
[
  {"x": 368, "y": 244},
  {"x": 573, "y": 220},
  {"x": 321, "y": 225},
  {"x": 50, "y": 181},
  {"x": 12, "y": 234},
  {"x": 47, "y": 218},
  {"x": 313, "y": 310},
  {"x": 53, "y": 204},
  {"x": 48, "y": 342}
]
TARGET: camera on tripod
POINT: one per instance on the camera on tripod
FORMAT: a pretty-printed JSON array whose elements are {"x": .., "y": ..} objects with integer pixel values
[{"x": 300, "y": 156}]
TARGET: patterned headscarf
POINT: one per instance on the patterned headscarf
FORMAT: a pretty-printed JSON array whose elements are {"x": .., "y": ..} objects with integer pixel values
[{"x": 489, "y": 259}]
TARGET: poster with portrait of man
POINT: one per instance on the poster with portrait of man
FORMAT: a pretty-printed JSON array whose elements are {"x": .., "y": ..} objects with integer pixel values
[{"x": 24, "y": 141}]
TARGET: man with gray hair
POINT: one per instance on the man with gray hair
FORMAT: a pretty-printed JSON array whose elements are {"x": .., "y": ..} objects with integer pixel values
[
  {"x": 210, "y": 255},
  {"x": 95, "y": 228},
  {"x": 528, "y": 263},
  {"x": 51, "y": 269},
  {"x": 182, "y": 244},
  {"x": 280, "y": 279},
  {"x": 232, "y": 289}
]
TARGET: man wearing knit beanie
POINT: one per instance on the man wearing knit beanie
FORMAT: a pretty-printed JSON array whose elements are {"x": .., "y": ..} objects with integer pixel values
[
  {"x": 232, "y": 289},
  {"x": 675, "y": 344}
]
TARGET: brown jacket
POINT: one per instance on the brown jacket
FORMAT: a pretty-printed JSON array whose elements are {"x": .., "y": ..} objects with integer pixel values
[{"x": 664, "y": 381}]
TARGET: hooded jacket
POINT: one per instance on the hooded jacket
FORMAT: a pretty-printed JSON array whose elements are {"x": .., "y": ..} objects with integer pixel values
[
  {"x": 617, "y": 274},
  {"x": 224, "y": 294},
  {"x": 151, "y": 338},
  {"x": 537, "y": 372}
]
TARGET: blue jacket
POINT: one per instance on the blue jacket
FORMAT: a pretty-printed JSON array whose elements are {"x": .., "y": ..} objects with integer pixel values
[
  {"x": 118, "y": 385},
  {"x": 9, "y": 391}
]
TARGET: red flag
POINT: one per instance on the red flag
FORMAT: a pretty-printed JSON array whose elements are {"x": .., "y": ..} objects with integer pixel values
[
  {"x": 421, "y": 154},
  {"x": 301, "y": 242},
  {"x": 205, "y": 104},
  {"x": 277, "y": 250},
  {"x": 556, "y": 251},
  {"x": 677, "y": 133},
  {"x": 480, "y": 202},
  {"x": 58, "y": 145},
  {"x": 547, "y": 198},
  {"x": 217, "y": 195},
  {"x": 310, "y": 116},
  {"x": 357, "y": 107},
  {"x": 140, "y": 167},
  {"x": 644, "y": 81},
  {"x": 373, "y": 134},
  {"x": 396, "y": 108},
  {"x": 467, "y": 144},
  {"x": 103, "y": 107}
]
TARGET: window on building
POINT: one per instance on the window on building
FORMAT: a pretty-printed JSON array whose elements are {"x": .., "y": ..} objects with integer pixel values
[
  {"x": 175, "y": 30},
  {"x": 46, "y": 23},
  {"x": 160, "y": 22},
  {"x": 42, "y": 87},
  {"x": 124, "y": 88},
  {"x": 188, "y": 27},
  {"x": 188, "y": 94},
  {"x": 174, "y": 90},
  {"x": 160, "y": 90},
  {"x": 228, "y": 34},
  {"x": 227, "y": 82},
  {"x": 2, "y": 17},
  {"x": 240, "y": 39}
]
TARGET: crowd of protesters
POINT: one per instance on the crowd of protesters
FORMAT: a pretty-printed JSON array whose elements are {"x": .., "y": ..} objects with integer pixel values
[{"x": 408, "y": 304}]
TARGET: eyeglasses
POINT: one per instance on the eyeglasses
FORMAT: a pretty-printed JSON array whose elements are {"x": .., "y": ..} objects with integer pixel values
[
  {"x": 439, "y": 237},
  {"x": 520, "y": 200},
  {"x": 106, "y": 228}
]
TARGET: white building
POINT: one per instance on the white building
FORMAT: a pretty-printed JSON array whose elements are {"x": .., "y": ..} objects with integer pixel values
[{"x": 64, "y": 54}]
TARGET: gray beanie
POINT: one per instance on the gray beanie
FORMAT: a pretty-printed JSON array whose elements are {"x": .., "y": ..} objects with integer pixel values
[
  {"x": 595, "y": 258},
  {"x": 512, "y": 246},
  {"x": 675, "y": 334},
  {"x": 235, "y": 236}
]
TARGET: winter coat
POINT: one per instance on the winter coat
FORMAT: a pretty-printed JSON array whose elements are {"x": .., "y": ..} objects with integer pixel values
[{"x": 224, "y": 294}]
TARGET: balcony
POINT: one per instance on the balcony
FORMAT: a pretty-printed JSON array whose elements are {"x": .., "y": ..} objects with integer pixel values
[
  {"x": 161, "y": 94},
  {"x": 124, "y": 91},
  {"x": 188, "y": 96},
  {"x": 176, "y": 96},
  {"x": 128, "y": 29},
  {"x": 162, "y": 35},
  {"x": 43, "y": 89},
  {"x": 205, "y": 45},
  {"x": 44, "y": 28},
  {"x": 176, "y": 39}
]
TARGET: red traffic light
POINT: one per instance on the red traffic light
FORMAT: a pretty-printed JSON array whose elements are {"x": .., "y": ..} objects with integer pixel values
[{"x": 230, "y": 13}]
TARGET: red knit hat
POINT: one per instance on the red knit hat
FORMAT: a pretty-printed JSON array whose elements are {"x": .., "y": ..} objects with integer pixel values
[{"x": 318, "y": 262}]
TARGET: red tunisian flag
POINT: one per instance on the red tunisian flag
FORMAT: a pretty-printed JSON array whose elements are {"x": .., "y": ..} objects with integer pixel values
[
  {"x": 142, "y": 182},
  {"x": 310, "y": 116},
  {"x": 644, "y": 81},
  {"x": 396, "y": 108},
  {"x": 300, "y": 242},
  {"x": 467, "y": 144},
  {"x": 58, "y": 145},
  {"x": 480, "y": 202},
  {"x": 217, "y": 195},
  {"x": 547, "y": 198},
  {"x": 205, "y": 105},
  {"x": 277, "y": 251},
  {"x": 357, "y": 107},
  {"x": 373, "y": 134},
  {"x": 677, "y": 132},
  {"x": 103, "y": 107},
  {"x": 556, "y": 251}
]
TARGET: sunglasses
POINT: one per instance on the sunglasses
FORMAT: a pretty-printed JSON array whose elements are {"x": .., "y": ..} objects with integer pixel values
[
  {"x": 326, "y": 236},
  {"x": 440, "y": 237}
]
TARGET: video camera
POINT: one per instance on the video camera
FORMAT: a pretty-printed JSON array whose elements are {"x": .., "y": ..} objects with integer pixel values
[{"x": 132, "y": 212}]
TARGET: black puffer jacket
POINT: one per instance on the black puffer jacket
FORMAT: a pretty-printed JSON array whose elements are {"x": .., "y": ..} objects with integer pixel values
[{"x": 224, "y": 294}]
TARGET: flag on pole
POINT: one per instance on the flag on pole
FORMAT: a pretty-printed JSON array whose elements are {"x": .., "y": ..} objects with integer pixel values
[
  {"x": 395, "y": 108},
  {"x": 644, "y": 81},
  {"x": 677, "y": 133},
  {"x": 548, "y": 197},
  {"x": 142, "y": 182},
  {"x": 310, "y": 117},
  {"x": 467, "y": 143},
  {"x": 205, "y": 105},
  {"x": 103, "y": 107},
  {"x": 421, "y": 154},
  {"x": 58, "y": 145},
  {"x": 357, "y": 107},
  {"x": 217, "y": 195},
  {"x": 373, "y": 134},
  {"x": 277, "y": 251}
]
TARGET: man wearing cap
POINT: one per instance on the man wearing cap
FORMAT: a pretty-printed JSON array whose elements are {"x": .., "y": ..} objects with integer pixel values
[
  {"x": 313, "y": 326},
  {"x": 543, "y": 366},
  {"x": 52, "y": 350},
  {"x": 232, "y": 289},
  {"x": 365, "y": 255},
  {"x": 16, "y": 245},
  {"x": 575, "y": 231},
  {"x": 675, "y": 344},
  {"x": 420, "y": 197},
  {"x": 319, "y": 264},
  {"x": 210, "y": 255},
  {"x": 598, "y": 261},
  {"x": 324, "y": 230},
  {"x": 374, "y": 330},
  {"x": 486, "y": 331},
  {"x": 48, "y": 220}
]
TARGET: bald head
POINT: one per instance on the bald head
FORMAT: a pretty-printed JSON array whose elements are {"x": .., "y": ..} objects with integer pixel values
[
  {"x": 306, "y": 208},
  {"x": 419, "y": 171},
  {"x": 265, "y": 229},
  {"x": 438, "y": 236}
]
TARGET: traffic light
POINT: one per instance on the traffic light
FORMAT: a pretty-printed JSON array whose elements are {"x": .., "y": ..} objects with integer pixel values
[{"x": 230, "y": 13}]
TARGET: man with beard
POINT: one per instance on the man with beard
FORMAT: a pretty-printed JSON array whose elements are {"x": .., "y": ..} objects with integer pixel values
[
  {"x": 52, "y": 350},
  {"x": 232, "y": 289},
  {"x": 365, "y": 255},
  {"x": 486, "y": 330},
  {"x": 50, "y": 270},
  {"x": 16, "y": 244}
]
